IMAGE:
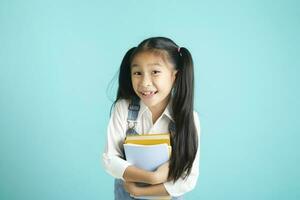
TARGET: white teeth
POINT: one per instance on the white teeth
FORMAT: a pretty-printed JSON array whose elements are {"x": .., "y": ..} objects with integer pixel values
[{"x": 147, "y": 93}]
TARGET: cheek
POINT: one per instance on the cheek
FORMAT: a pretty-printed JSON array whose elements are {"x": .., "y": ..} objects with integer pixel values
[
  {"x": 165, "y": 84},
  {"x": 134, "y": 83}
]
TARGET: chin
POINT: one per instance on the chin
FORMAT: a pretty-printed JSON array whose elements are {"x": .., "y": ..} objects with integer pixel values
[{"x": 149, "y": 103}]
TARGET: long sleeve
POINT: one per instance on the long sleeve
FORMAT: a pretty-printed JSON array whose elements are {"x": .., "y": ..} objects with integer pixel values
[
  {"x": 182, "y": 186},
  {"x": 112, "y": 157}
]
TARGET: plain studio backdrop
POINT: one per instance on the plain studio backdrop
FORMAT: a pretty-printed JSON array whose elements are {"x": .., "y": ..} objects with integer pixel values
[{"x": 58, "y": 58}]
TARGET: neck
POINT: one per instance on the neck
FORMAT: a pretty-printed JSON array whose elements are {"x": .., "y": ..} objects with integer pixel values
[{"x": 157, "y": 110}]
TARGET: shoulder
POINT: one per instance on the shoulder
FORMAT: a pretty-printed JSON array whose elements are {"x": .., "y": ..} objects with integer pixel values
[
  {"x": 120, "y": 108},
  {"x": 122, "y": 104},
  {"x": 196, "y": 116},
  {"x": 197, "y": 121}
]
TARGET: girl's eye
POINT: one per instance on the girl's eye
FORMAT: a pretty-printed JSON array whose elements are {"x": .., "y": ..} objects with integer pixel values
[
  {"x": 156, "y": 72},
  {"x": 136, "y": 73}
]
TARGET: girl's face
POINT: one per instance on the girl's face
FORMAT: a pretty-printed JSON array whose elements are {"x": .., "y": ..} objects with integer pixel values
[{"x": 152, "y": 79}]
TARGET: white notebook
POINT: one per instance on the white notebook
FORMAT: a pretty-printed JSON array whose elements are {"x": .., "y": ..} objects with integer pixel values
[{"x": 147, "y": 157}]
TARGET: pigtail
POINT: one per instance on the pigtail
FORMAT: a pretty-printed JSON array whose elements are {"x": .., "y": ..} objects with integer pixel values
[
  {"x": 185, "y": 140},
  {"x": 125, "y": 89}
]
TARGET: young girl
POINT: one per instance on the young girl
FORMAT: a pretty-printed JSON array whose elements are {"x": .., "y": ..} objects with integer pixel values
[{"x": 159, "y": 76}]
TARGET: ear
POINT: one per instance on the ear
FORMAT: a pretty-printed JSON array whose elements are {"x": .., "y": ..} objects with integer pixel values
[{"x": 174, "y": 74}]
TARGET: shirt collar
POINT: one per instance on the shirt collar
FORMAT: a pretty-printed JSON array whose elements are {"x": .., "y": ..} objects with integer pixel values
[{"x": 167, "y": 112}]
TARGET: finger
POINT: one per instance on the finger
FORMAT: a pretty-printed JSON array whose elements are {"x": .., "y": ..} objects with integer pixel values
[{"x": 125, "y": 186}]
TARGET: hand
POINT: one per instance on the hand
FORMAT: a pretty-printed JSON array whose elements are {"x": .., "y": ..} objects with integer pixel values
[
  {"x": 162, "y": 173},
  {"x": 131, "y": 188}
]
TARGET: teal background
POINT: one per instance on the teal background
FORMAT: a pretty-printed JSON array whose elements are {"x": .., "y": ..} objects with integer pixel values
[{"x": 58, "y": 58}]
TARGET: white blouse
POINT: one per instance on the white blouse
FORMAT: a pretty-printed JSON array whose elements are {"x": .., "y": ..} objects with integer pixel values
[{"x": 116, "y": 133}]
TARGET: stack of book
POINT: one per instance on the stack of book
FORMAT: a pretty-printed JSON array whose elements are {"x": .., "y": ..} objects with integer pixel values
[{"x": 148, "y": 152}]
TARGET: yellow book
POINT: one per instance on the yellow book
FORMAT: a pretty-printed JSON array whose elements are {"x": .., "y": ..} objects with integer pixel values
[{"x": 148, "y": 139}]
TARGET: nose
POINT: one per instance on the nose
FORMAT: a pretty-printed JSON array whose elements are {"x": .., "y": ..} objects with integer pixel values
[{"x": 146, "y": 81}]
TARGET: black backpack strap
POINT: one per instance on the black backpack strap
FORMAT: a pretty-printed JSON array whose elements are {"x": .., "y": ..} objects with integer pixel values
[{"x": 133, "y": 111}]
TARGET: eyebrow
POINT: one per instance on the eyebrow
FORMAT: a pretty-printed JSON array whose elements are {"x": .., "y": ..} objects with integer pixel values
[{"x": 151, "y": 64}]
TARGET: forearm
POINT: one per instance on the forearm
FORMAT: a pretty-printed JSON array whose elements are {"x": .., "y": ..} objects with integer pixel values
[
  {"x": 135, "y": 174},
  {"x": 152, "y": 190}
]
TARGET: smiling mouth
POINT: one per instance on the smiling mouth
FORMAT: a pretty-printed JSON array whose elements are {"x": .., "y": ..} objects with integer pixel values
[{"x": 149, "y": 94}]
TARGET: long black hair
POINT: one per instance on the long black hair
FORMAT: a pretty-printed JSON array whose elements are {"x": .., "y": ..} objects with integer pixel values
[{"x": 184, "y": 140}]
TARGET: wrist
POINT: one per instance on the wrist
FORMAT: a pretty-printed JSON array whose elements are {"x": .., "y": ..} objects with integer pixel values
[
  {"x": 155, "y": 178},
  {"x": 137, "y": 191}
]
